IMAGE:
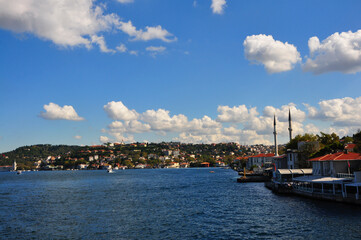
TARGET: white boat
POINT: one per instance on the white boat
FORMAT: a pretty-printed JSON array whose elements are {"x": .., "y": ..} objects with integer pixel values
[
  {"x": 116, "y": 168},
  {"x": 18, "y": 172},
  {"x": 110, "y": 170}
]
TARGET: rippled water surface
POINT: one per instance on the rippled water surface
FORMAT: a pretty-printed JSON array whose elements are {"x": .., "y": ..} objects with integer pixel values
[{"x": 162, "y": 204}]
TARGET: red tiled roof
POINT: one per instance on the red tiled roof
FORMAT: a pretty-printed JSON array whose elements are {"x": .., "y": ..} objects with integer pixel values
[
  {"x": 264, "y": 155},
  {"x": 240, "y": 158},
  {"x": 350, "y": 146},
  {"x": 340, "y": 156}
]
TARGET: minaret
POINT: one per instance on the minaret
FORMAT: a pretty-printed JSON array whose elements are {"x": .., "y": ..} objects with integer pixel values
[
  {"x": 275, "y": 135},
  {"x": 290, "y": 124},
  {"x": 14, "y": 165}
]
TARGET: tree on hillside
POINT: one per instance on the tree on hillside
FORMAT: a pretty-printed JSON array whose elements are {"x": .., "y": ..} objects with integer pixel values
[
  {"x": 328, "y": 139},
  {"x": 307, "y": 137},
  {"x": 357, "y": 141}
]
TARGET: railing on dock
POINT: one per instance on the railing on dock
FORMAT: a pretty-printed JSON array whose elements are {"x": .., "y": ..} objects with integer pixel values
[{"x": 345, "y": 175}]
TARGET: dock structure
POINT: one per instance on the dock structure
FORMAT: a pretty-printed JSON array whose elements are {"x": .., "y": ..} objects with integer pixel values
[
  {"x": 344, "y": 188},
  {"x": 333, "y": 177}
]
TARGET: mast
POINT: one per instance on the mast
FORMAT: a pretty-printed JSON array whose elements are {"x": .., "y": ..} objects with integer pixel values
[
  {"x": 290, "y": 124},
  {"x": 275, "y": 135}
]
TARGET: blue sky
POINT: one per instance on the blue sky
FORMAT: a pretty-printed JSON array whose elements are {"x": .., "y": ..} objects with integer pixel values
[{"x": 190, "y": 71}]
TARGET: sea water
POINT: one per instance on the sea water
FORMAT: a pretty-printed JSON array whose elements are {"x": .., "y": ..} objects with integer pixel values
[{"x": 162, "y": 204}]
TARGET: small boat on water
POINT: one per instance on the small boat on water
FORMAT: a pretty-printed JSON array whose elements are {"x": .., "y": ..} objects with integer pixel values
[
  {"x": 116, "y": 168},
  {"x": 110, "y": 170},
  {"x": 18, "y": 172}
]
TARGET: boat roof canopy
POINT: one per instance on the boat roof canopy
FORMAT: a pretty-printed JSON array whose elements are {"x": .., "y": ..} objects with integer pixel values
[{"x": 294, "y": 171}]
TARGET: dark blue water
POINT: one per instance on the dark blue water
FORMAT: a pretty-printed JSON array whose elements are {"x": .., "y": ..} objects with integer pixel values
[{"x": 162, "y": 204}]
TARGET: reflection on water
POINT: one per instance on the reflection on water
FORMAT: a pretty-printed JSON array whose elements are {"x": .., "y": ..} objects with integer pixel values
[{"x": 162, "y": 204}]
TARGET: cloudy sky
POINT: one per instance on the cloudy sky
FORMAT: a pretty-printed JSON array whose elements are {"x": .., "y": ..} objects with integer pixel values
[{"x": 87, "y": 72}]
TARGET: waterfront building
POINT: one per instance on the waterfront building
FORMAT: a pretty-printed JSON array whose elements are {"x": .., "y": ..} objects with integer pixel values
[
  {"x": 260, "y": 160},
  {"x": 335, "y": 177},
  {"x": 280, "y": 162},
  {"x": 350, "y": 147},
  {"x": 292, "y": 159},
  {"x": 205, "y": 164},
  {"x": 173, "y": 165},
  {"x": 184, "y": 165}
]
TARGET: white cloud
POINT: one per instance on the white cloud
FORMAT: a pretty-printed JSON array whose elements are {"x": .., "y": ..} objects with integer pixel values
[
  {"x": 262, "y": 124},
  {"x": 155, "y": 49},
  {"x": 160, "y": 120},
  {"x": 119, "y": 137},
  {"x": 78, "y": 137},
  {"x": 311, "y": 128},
  {"x": 340, "y": 52},
  {"x": 133, "y": 126},
  {"x": 125, "y": 1},
  {"x": 66, "y": 23},
  {"x": 104, "y": 139},
  {"x": 235, "y": 114},
  {"x": 55, "y": 112},
  {"x": 218, "y": 6},
  {"x": 150, "y": 33},
  {"x": 235, "y": 124},
  {"x": 99, "y": 40},
  {"x": 282, "y": 113},
  {"x": 117, "y": 111},
  {"x": 70, "y": 23},
  {"x": 340, "y": 111},
  {"x": 121, "y": 48},
  {"x": 275, "y": 55},
  {"x": 135, "y": 53}
]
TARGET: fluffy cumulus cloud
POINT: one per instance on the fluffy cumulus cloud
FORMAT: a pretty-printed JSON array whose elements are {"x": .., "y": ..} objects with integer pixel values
[
  {"x": 66, "y": 23},
  {"x": 118, "y": 111},
  {"x": 263, "y": 124},
  {"x": 235, "y": 123},
  {"x": 340, "y": 52},
  {"x": 160, "y": 120},
  {"x": 149, "y": 33},
  {"x": 275, "y": 55},
  {"x": 133, "y": 126},
  {"x": 71, "y": 23},
  {"x": 78, "y": 137},
  {"x": 283, "y": 113},
  {"x": 218, "y": 6},
  {"x": 104, "y": 139},
  {"x": 250, "y": 126},
  {"x": 235, "y": 114},
  {"x": 55, "y": 112},
  {"x": 340, "y": 111}
]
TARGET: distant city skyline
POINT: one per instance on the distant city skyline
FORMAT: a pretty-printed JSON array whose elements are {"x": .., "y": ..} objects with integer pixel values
[{"x": 87, "y": 72}]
